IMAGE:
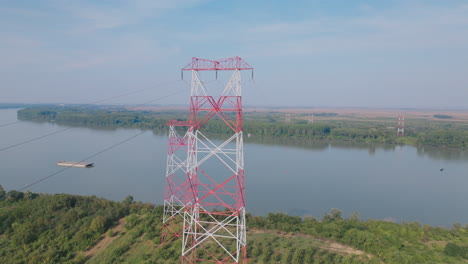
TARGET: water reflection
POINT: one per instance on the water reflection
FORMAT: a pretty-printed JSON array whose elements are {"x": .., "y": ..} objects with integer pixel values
[
  {"x": 290, "y": 142},
  {"x": 318, "y": 144},
  {"x": 440, "y": 153}
]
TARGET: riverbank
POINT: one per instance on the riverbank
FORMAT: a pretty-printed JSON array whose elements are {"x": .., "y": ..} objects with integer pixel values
[
  {"x": 64, "y": 228},
  {"x": 445, "y": 133}
]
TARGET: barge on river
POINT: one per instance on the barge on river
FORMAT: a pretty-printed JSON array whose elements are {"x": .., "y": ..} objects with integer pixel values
[{"x": 75, "y": 164}]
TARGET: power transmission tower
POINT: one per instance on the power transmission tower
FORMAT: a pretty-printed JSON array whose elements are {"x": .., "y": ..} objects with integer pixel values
[
  {"x": 401, "y": 126},
  {"x": 288, "y": 118},
  {"x": 311, "y": 118},
  {"x": 210, "y": 199}
]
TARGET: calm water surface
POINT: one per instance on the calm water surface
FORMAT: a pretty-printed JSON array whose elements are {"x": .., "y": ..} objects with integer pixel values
[{"x": 297, "y": 177}]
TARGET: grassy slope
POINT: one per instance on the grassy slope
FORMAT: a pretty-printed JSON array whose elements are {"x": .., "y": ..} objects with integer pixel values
[
  {"x": 267, "y": 246},
  {"x": 75, "y": 229}
]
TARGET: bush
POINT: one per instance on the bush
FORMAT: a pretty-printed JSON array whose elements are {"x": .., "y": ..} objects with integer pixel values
[
  {"x": 2, "y": 193},
  {"x": 14, "y": 195},
  {"x": 454, "y": 250}
]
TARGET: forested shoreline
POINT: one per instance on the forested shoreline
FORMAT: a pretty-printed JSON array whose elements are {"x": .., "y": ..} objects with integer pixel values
[
  {"x": 441, "y": 136},
  {"x": 63, "y": 228}
]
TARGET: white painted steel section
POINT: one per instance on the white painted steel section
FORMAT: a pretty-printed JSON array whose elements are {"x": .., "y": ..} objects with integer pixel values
[
  {"x": 196, "y": 230},
  {"x": 197, "y": 87},
  {"x": 174, "y": 206}
]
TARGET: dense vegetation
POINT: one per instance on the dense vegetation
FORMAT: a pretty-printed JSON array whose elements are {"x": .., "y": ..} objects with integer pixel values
[
  {"x": 261, "y": 124},
  {"x": 442, "y": 116},
  {"x": 450, "y": 138},
  {"x": 61, "y": 228}
]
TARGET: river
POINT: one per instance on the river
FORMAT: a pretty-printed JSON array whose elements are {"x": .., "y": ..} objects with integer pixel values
[{"x": 297, "y": 177}]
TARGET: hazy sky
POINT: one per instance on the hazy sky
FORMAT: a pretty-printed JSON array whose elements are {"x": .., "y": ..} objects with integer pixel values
[{"x": 306, "y": 53}]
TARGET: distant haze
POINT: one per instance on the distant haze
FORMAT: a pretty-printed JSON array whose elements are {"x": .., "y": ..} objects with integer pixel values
[{"x": 354, "y": 53}]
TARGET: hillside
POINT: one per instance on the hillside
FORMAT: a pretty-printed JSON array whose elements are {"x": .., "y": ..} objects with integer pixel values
[{"x": 62, "y": 228}]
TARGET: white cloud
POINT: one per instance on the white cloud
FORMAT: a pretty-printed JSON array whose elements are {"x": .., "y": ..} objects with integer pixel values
[
  {"x": 125, "y": 50},
  {"x": 79, "y": 41},
  {"x": 22, "y": 12},
  {"x": 98, "y": 16},
  {"x": 84, "y": 62},
  {"x": 20, "y": 50},
  {"x": 297, "y": 28},
  {"x": 99, "y": 19},
  {"x": 394, "y": 30}
]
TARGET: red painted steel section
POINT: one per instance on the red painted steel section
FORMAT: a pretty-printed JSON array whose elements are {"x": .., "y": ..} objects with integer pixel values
[
  {"x": 203, "y": 109},
  {"x": 401, "y": 126},
  {"x": 204, "y": 195},
  {"x": 219, "y": 107},
  {"x": 227, "y": 64},
  {"x": 177, "y": 123}
]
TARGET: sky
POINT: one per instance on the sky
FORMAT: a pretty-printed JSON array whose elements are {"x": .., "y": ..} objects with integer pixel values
[{"x": 306, "y": 53}]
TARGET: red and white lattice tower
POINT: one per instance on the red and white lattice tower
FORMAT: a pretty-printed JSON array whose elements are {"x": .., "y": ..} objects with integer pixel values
[
  {"x": 288, "y": 118},
  {"x": 401, "y": 126},
  {"x": 175, "y": 184},
  {"x": 210, "y": 199},
  {"x": 311, "y": 118}
]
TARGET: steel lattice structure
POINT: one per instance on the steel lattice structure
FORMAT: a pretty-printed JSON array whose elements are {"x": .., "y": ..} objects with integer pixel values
[
  {"x": 175, "y": 185},
  {"x": 401, "y": 126},
  {"x": 202, "y": 205}
]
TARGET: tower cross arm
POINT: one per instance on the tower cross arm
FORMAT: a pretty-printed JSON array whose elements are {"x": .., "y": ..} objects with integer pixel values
[{"x": 227, "y": 64}]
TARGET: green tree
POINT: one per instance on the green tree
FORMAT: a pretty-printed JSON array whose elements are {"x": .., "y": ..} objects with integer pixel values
[
  {"x": 299, "y": 256},
  {"x": 128, "y": 200},
  {"x": 452, "y": 250},
  {"x": 333, "y": 215},
  {"x": 14, "y": 195},
  {"x": 2, "y": 193},
  {"x": 355, "y": 216},
  {"x": 24, "y": 233},
  {"x": 98, "y": 224},
  {"x": 29, "y": 195}
]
